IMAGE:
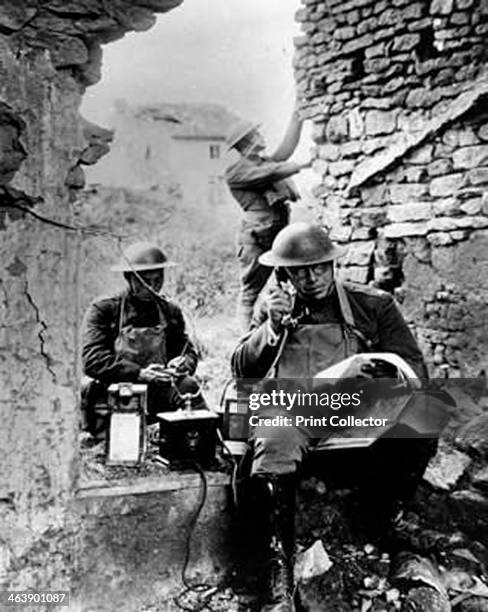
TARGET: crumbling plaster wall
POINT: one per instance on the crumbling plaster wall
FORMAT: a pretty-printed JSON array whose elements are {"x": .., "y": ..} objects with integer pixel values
[
  {"x": 50, "y": 50},
  {"x": 397, "y": 91}
]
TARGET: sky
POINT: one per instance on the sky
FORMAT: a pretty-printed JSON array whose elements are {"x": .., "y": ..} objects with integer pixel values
[{"x": 234, "y": 52}]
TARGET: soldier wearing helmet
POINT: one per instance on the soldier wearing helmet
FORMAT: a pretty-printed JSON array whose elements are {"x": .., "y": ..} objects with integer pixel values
[
  {"x": 308, "y": 322},
  {"x": 262, "y": 187},
  {"x": 135, "y": 335}
]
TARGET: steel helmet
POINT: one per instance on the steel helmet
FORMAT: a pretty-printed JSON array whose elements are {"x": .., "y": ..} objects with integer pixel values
[
  {"x": 301, "y": 244},
  {"x": 240, "y": 130},
  {"x": 142, "y": 256}
]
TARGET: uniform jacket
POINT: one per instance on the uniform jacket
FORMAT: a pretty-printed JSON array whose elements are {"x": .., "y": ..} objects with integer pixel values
[
  {"x": 101, "y": 327},
  {"x": 262, "y": 187},
  {"x": 375, "y": 314}
]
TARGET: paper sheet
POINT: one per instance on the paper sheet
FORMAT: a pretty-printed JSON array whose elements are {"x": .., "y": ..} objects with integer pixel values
[{"x": 124, "y": 437}]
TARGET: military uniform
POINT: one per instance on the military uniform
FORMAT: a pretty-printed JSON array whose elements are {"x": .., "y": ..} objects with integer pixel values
[
  {"x": 353, "y": 319},
  {"x": 347, "y": 319},
  {"x": 123, "y": 334},
  {"x": 264, "y": 192}
]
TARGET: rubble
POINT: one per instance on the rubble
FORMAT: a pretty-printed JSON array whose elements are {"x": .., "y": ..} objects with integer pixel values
[
  {"x": 447, "y": 468},
  {"x": 312, "y": 562},
  {"x": 473, "y": 437}
]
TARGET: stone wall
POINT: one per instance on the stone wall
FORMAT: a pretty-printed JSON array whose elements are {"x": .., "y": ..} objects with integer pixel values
[
  {"x": 49, "y": 52},
  {"x": 397, "y": 93}
]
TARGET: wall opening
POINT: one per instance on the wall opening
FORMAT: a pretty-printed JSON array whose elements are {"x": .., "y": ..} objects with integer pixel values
[
  {"x": 426, "y": 48},
  {"x": 163, "y": 177}
]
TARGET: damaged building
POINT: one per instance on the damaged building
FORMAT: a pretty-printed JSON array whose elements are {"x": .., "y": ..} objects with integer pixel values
[{"x": 397, "y": 91}]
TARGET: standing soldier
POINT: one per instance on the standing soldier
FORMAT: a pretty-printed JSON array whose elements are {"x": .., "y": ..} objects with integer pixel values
[{"x": 263, "y": 189}]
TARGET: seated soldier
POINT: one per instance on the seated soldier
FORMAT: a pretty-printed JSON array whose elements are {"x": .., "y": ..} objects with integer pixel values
[
  {"x": 139, "y": 336},
  {"x": 298, "y": 333}
]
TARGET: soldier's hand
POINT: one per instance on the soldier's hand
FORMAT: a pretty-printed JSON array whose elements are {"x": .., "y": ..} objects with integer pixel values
[
  {"x": 379, "y": 368},
  {"x": 147, "y": 375},
  {"x": 154, "y": 371},
  {"x": 178, "y": 364},
  {"x": 278, "y": 304}
]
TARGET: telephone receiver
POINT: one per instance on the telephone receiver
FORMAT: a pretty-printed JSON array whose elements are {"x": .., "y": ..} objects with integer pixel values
[
  {"x": 281, "y": 277},
  {"x": 283, "y": 281}
]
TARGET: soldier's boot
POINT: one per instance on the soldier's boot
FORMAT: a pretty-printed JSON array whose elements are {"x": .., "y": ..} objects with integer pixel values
[{"x": 278, "y": 495}]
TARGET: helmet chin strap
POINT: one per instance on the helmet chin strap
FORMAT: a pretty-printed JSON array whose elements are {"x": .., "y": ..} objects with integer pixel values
[{"x": 152, "y": 294}]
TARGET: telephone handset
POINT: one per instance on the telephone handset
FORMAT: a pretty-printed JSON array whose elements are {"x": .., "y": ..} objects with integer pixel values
[
  {"x": 283, "y": 281},
  {"x": 282, "y": 277}
]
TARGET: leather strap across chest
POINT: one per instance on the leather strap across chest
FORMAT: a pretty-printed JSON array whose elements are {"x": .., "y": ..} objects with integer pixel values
[{"x": 308, "y": 348}]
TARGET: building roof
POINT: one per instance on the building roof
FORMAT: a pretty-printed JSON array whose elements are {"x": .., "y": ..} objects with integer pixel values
[{"x": 191, "y": 121}]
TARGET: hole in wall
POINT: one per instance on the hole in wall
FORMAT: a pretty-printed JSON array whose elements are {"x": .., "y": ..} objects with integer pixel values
[
  {"x": 152, "y": 103},
  {"x": 426, "y": 48},
  {"x": 357, "y": 65},
  {"x": 386, "y": 265}
]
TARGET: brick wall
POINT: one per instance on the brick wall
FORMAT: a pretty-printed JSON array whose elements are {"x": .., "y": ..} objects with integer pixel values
[{"x": 397, "y": 93}]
